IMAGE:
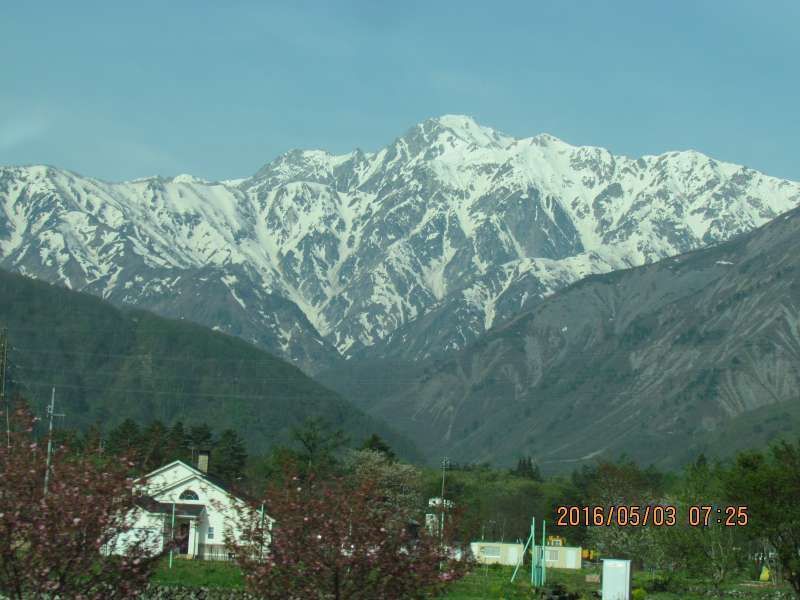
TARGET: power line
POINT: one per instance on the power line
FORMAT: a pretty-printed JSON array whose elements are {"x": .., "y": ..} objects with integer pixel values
[
  {"x": 143, "y": 391},
  {"x": 160, "y": 358},
  {"x": 740, "y": 345}
]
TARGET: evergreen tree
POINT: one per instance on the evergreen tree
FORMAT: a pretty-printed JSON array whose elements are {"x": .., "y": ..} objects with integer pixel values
[
  {"x": 376, "y": 443},
  {"x": 125, "y": 438},
  {"x": 69, "y": 439},
  {"x": 201, "y": 437},
  {"x": 154, "y": 446},
  {"x": 92, "y": 442},
  {"x": 177, "y": 444},
  {"x": 528, "y": 469},
  {"x": 229, "y": 456}
]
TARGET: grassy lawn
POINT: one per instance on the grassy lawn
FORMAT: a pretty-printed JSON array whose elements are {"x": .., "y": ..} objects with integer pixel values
[
  {"x": 482, "y": 583},
  {"x": 199, "y": 573},
  {"x": 491, "y": 582}
]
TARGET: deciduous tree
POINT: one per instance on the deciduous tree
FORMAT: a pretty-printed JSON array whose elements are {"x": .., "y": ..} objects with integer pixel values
[
  {"x": 620, "y": 483},
  {"x": 707, "y": 549},
  {"x": 317, "y": 446},
  {"x": 769, "y": 485},
  {"x": 400, "y": 482}
]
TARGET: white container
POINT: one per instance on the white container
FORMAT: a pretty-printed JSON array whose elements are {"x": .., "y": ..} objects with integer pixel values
[
  {"x": 616, "y": 581},
  {"x": 489, "y": 553}
]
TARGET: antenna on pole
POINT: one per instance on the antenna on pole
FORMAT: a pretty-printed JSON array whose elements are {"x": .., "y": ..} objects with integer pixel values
[
  {"x": 51, "y": 411},
  {"x": 3, "y": 399}
]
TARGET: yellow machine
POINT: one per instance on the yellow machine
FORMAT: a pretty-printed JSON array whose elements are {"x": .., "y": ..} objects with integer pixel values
[
  {"x": 588, "y": 554},
  {"x": 556, "y": 540}
]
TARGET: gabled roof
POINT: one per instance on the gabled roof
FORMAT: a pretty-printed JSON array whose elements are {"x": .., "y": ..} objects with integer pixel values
[
  {"x": 211, "y": 479},
  {"x": 168, "y": 466}
]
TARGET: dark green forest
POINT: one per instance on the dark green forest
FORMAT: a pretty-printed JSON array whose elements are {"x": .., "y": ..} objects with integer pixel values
[{"x": 108, "y": 365}]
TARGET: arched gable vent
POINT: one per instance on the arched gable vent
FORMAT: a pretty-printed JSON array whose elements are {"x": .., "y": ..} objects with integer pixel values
[{"x": 189, "y": 495}]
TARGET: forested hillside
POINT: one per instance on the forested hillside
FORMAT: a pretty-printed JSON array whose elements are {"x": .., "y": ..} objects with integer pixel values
[{"x": 109, "y": 364}]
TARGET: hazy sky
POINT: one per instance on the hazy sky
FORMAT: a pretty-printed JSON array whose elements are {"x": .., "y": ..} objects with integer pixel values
[{"x": 127, "y": 89}]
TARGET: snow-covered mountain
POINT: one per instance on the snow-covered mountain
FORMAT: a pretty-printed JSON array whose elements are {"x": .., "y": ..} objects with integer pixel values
[{"x": 407, "y": 252}]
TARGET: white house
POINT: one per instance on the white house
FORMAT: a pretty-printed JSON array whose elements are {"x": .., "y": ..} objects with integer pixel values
[{"x": 201, "y": 507}]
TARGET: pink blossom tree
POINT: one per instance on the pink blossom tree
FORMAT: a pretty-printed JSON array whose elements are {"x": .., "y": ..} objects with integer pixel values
[
  {"x": 55, "y": 543},
  {"x": 339, "y": 539}
]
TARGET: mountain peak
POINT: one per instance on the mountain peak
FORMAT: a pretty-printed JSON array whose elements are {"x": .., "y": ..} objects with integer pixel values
[
  {"x": 458, "y": 122},
  {"x": 469, "y": 130},
  {"x": 188, "y": 179},
  {"x": 546, "y": 139}
]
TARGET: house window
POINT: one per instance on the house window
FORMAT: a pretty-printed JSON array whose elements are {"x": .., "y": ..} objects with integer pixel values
[
  {"x": 552, "y": 555},
  {"x": 210, "y": 533},
  {"x": 189, "y": 495},
  {"x": 491, "y": 551}
]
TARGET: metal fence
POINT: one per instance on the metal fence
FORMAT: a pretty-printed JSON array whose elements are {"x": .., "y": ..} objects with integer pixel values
[{"x": 214, "y": 552}]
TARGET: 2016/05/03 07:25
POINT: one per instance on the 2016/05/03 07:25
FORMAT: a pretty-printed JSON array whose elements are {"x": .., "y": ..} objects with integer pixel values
[{"x": 655, "y": 515}]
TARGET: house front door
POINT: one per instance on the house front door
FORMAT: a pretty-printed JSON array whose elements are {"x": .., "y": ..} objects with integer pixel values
[{"x": 183, "y": 538}]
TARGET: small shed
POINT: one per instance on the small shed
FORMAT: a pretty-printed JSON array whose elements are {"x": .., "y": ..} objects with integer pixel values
[
  {"x": 562, "y": 557},
  {"x": 496, "y": 553}
]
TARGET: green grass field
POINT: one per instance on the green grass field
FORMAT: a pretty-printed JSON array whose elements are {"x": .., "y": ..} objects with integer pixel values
[{"x": 484, "y": 582}]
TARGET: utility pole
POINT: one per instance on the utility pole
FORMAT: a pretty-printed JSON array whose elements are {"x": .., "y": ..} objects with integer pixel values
[
  {"x": 445, "y": 464},
  {"x": 51, "y": 411},
  {"x": 172, "y": 534},
  {"x": 3, "y": 370}
]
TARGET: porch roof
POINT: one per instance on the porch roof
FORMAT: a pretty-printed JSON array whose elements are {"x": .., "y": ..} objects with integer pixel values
[{"x": 152, "y": 505}]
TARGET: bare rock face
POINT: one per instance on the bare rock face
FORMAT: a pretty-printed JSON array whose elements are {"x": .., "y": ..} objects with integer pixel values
[
  {"x": 409, "y": 252},
  {"x": 655, "y": 362}
]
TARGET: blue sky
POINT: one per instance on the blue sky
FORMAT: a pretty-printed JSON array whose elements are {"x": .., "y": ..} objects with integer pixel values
[{"x": 127, "y": 89}]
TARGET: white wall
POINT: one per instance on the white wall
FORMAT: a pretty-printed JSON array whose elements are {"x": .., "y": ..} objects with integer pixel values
[{"x": 146, "y": 527}]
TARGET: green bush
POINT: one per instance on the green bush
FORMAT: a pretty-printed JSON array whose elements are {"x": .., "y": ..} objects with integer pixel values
[
  {"x": 639, "y": 594},
  {"x": 657, "y": 584}
]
